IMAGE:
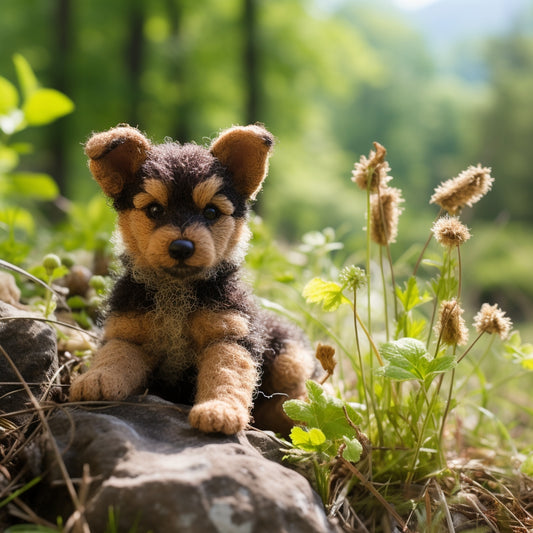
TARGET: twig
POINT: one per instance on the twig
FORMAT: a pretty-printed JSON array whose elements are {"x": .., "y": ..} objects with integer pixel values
[
  {"x": 374, "y": 492},
  {"x": 52, "y": 321},
  {"x": 84, "y": 527}
]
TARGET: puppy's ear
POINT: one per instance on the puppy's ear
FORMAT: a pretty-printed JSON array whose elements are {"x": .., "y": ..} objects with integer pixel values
[
  {"x": 245, "y": 151},
  {"x": 115, "y": 156}
]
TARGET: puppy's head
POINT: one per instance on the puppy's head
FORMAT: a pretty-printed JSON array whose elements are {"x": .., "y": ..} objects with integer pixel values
[{"x": 182, "y": 208}]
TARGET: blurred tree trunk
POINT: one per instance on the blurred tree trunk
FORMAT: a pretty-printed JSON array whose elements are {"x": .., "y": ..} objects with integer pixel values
[
  {"x": 134, "y": 59},
  {"x": 59, "y": 135},
  {"x": 250, "y": 61},
  {"x": 181, "y": 130}
]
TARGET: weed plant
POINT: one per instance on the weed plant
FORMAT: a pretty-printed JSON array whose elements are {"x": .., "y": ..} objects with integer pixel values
[{"x": 415, "y": 396}]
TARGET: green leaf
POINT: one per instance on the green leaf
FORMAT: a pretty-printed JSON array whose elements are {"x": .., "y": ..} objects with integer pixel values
[
  {"x": 17, "y": 218},
  {"x": 408, "y": 358},
  {"x": 441, "y": 364},
  {"x": 8, "y": 159},
  {"x": 26, "y": 77},
  {"x": 46, "y": 105},
  {"x": 309, "y": 441},
  {"x": 527, "y": 466},
  {"x": 410, "y": 297},
  {"x": 9, "y": 97},
  {"x": 353, "y": 450},
  {"x": 327, "y": 293},
  {"x": 324, "y": 412},
  {"x": 31, "y": 185}
]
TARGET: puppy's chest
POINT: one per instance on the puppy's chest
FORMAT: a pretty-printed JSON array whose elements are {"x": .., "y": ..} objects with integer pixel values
[{"x": 170, "y": 337}]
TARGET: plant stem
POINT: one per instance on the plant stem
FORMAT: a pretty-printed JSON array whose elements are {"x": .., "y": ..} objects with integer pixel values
[
  {"x": 460, "y": 269},
  {"x": 360, "y": 357},
  {"x": 385, "y": 306},
  {"x": 421, "y": 256},
  {"x": 368, "y": 246},
  {"x": 369, "y": 337}
]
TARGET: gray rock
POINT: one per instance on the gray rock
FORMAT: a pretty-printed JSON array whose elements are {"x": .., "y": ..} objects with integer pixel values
[
  {"x": 32, "y": 347},
  {"x": 160, "y": 475}
]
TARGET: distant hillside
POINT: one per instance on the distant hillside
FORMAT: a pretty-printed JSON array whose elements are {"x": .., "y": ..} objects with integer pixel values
[
  {"x": 454, "y": 30},
  {"x": 448, "y": 21}
]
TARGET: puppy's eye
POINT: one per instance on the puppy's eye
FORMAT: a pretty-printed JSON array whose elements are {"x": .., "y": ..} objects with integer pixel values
[
  {"x": 155, "y": 211},
  {"x": 211, "y": 212}
]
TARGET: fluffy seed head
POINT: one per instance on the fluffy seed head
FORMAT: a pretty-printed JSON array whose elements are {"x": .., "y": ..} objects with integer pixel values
[
  {"x": 491, "y": 319},
  {"x": 465, "y": 189},
  {"x": 385, "y": 212},
  {"x": 372, "y": 172},
  {"x": 450, "y": 231},
  {"x": 451, "y": 325}
]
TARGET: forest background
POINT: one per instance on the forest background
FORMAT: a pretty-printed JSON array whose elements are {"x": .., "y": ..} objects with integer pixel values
[{"x": 442, "y": 87}]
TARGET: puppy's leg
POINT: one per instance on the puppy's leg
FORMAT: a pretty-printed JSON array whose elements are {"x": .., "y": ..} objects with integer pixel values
[
  {"x": 120, "y": 367},
  {"x": 227, "y": 374},
  {"x": 283, "y": 379}
]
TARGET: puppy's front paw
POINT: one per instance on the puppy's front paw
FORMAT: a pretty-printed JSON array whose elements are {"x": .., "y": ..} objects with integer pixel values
[
  {"x": 98, "y": 385},
  {"x": 218, "y": 416}
]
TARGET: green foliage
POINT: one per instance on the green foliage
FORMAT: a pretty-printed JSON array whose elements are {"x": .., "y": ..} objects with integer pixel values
[
  {"x": 411, "y": 384},
  {"x": 324, "y": 412},
  {"x": 330, "y": 430},
  {"x": 35, "y": 106},
  {"x": 409, "y": 359},
  {"x": 327, "y": 293}
]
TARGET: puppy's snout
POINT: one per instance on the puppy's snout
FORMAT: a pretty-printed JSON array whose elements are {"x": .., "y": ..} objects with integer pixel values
[{"x": 181, "y": 249}]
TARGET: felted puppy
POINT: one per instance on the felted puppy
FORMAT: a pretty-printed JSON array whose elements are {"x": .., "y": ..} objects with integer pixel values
[{"x": 180, "y": 322}]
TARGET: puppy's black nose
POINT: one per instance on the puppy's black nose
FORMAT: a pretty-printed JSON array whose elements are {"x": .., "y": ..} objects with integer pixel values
[{"x": 181, "y": 249}]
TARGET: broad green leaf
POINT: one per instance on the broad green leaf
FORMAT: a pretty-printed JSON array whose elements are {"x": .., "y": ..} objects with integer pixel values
[
  {"x": 17, "y": 218},
  {"x": 46, "y": 105},
  {"x": 8, "y": 159},
  {"x": 408, "y": 348},
  {"x": 409, "y": 326},
  {"x": 441, "y": 364},
  {"x": 26, "y": 77},
  {"x": 31, "y": 185},
  {"x": 408, "y": 358},
  {"x": 324, "y": 412},
  {"x": 410, "y": 297},
  {"x": 527, "y": 363},
  {"x": 9, "y": 97},
  {"x": 40, "y": 272},
  {"x": 309, "y": 441},
  {"x": 353, "y": 450},
  {"x": 527, "y": 466},
  {"x": 22, "y": 148},
  {"x": 327, "y": 293}
]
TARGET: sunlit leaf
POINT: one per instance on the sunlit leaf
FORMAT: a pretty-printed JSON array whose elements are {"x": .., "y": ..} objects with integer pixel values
[
  {"x": 352, "y": 451},
  {"x": 46, "y": 105},
  {"x": 408, "y": 358},
  {"x": 26, "y": 77},
  {"x": 327, "y": 293},
  {"x": 31, "y": 185},
  {"x": 308, "y": 440},
  {"x": 324, "y": 412},
  {"x": 17, "y": 218},
  {"x": 9, "y": 97},
  {"x": 410, "y": 297},
  {"x": 8, "y": 159}
]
